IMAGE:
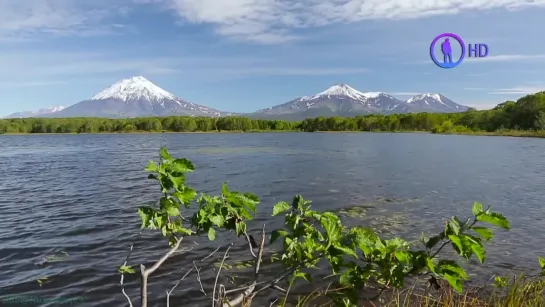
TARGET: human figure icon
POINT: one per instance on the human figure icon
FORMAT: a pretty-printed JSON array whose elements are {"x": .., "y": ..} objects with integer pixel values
[{"x": 447, "y": 51}]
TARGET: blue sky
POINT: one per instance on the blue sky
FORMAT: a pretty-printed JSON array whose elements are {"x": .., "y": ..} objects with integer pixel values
[{"x": 244, "y": 55}]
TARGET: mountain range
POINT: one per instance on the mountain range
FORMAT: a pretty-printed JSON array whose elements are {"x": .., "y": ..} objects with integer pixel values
[{"x": 137, "y": 97}]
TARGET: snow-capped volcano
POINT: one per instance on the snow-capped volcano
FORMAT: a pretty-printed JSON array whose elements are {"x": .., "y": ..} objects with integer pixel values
[
  {"x": 135, "y": 97},
  {"x": 337, "y": 100},
  {"x": 343, "y": 90},
  {"x": 434, "y": 103},
  {"x": 135, "y": 88},
  {"x": 38, "y": 113}
]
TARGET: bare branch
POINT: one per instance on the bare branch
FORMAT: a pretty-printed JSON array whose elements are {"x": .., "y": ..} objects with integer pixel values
[
  {"x": 218, "y": 275},
  {"x": 176, "y": 285},
  {"x": 249, "y": 293},
  {"x": 186, "y": 274},
  {"x": 145, "y": 273},
  {"x": 272, "y": 303},
  {"x": 250, "y": 244},
  {"x": 123, "y": 275},
  {"x": 199, "y": 277},
  {"x": 276, "y": 287}
]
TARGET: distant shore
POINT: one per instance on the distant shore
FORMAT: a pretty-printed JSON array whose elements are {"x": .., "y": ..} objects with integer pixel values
[{"x": 509, "y": 133}]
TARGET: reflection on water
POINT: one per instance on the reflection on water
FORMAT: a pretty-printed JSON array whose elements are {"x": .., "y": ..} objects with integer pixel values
[{"x": 68, "y": 202}]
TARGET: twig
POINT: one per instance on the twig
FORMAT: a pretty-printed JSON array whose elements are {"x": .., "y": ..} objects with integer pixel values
[
  {"x": 218, "y": 275},
  {"x": 249, "y": 293},
  {"x": 272, "y": 303},
  {"x": 145, "y": 273},
  {"x": 199, "y": 277},
  {"x": 250, "y": 244},
  {"x": 243, "y": 288},
  {"x": 288, "y": 291},
  {"x": 276, "y": 287},
  {"x": 187, "y": 273},
  {"x": 176, "y": 285},
  {"x": 123, "y": 275}
]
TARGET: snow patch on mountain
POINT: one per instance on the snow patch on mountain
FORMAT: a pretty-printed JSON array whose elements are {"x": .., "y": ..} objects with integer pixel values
[
  {"x": 135, "y": 88},
  {"x": 424, "y": 97},
  {"x": 343, "y": 90},
  {"x": 38, "y": 113},
  {"x": 52, "y": 110}
]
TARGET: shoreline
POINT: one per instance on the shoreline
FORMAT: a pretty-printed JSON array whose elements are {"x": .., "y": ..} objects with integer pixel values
[{"x": 524, "y": 134}]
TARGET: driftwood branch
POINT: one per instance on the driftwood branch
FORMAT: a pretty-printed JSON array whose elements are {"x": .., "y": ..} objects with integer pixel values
[{"x": 145, "y": 273}]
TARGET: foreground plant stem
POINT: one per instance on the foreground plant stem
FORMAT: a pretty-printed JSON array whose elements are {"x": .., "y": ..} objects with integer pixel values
[{"x": 145, "y": 273}]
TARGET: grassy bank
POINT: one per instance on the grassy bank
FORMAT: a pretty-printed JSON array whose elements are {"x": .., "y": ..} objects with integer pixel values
[
  {"x": 513, "y": 133},
  {"x": 517, "y": 292}
]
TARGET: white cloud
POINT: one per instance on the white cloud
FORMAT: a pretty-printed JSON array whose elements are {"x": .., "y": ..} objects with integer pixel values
[
  {"x": 404, "y": 93},
  {"x": 271, "y": 21},
  {"x": 12, "y": 84},
  {"x": 520, "y": 90},
  {"x": 37, "y": 68},
  {"x": 262, "y": 21},
  {"x": 485, "y": 105},
  {"x": 508, "y": 58},
  {"x": 22, "y": 19}
]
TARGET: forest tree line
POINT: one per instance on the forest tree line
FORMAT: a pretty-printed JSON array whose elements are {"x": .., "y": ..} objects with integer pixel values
[{"x": 527, "y": 113}]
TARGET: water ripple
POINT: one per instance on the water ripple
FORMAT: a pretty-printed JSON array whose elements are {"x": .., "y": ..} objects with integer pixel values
[{"x": 68, "y": 202}]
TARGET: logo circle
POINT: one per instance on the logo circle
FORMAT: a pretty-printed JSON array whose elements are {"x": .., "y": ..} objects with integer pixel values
[{"x": 447, "y": 65}]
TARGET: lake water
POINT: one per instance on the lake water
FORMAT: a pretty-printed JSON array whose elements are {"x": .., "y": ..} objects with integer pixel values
[{"x": 68, "y": 202}]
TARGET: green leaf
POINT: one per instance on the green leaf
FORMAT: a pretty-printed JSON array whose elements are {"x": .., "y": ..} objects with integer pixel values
[
  {"x": 177, "y": 181},
  {"x": 126, "y": 269},
  {"x": 477, "y": 208},
  {"x": 186, "y": 231},
  {"x": 217, "y": 220},
  {"x": 305, "y": 276},
  {"x": 211, "y": 234},
  {"x": 280, "y": 207},
  {"x": 185, "y": 196},
  {"x": 452, "y": 267},
  {"x": 431, "y": 264},
  {"x": 454, "y": 281},
  {"x": 146, "y": 214},
  {"x": 182, "y": 165},
  {"x": 457, "y": 243},
  {"x": 153, "y": 176},
  {"x": 240, "y": 228},
  {"x": 542, "y": 262},
  {"x": 225, "y": 189},
  {"x": 297, "y": 202},
  {"x": 171, "y": 207},
  {"x": 452, "y": 272},
  {"x": 348, "y": 251},
  {"x": 484, "y": 232},
  {"x": 431, "y": 242},
  {"x": 479, "y": 251},
  {"x": 164, "y": 154},
  {"x": 276, "y": 234},
  {"x": 495, "y": 219},
  {"x": 454, "y": 225},
  {"x": 152, "y": 166},
  {"x": 332, "y": 228},
  {"x": 402, "y": 255}
]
